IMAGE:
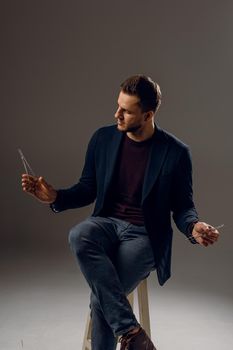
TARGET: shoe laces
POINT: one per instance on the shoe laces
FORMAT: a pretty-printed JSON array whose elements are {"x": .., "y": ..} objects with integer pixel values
[{"x": 125, "y": 340}]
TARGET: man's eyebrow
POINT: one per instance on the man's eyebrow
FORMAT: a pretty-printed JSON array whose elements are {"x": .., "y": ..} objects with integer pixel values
[{"x": 120, "y": 106}]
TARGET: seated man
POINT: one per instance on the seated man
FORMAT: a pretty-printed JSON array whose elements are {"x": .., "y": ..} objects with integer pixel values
[{"x": 138, "y": 174}]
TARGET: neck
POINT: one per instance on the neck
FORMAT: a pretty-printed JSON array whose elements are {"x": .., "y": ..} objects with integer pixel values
[{"x": 142, "y": 134}]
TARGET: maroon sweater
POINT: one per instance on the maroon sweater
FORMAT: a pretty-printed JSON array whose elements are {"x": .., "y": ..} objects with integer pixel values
[{"x": 126, "y": 193}]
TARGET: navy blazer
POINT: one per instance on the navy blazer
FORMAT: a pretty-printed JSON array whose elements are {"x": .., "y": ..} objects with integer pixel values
[{"x": 167, "y": 188}]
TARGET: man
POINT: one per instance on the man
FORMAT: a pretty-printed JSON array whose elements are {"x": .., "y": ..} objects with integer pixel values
[{"x": 138, "y": 174}]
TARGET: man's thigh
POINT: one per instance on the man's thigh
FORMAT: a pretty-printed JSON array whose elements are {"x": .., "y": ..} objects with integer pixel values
[
  {"x": 134, "y": 258},
  {"x": 128, "y": 247}
]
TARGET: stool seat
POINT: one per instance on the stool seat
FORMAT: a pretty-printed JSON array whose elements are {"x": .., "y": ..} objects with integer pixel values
[{"x": 143, "y": 308}]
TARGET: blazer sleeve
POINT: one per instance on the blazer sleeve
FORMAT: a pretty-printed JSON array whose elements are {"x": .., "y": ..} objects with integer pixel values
[
  {"x": 183, "y": 208},
  {"x": 84, "y": 192}
]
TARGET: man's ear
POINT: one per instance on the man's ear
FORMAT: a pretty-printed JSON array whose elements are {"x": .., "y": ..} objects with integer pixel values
[{"x": 149, "y": 115}]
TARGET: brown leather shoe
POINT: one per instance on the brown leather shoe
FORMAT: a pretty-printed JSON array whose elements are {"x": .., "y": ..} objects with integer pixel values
[{"x": 137, "y": 341}]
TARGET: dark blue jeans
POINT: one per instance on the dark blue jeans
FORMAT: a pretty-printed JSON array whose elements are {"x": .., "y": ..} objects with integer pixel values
[{"x": 114, "y": 256}]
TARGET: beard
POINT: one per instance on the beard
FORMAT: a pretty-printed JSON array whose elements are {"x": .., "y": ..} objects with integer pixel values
[{"x": 131, "y": 128}]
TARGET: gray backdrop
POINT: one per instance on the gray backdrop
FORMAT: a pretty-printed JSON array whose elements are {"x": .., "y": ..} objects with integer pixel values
[{"x": 61, "y": 66}]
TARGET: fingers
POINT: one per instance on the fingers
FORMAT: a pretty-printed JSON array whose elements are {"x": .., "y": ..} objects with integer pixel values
[
  {"x": 29, "y": 183},
  {"x": 205, "y": 234},
  {"x": 211, "y": 233},
  {"x": 204, "y": 241},
  {"x": 50, "y": 194},
  {"x": 28, "y": 176},
  {"x": 206, "y": 230},
  {"x": 212, "y": 236},
  {"x": 207, "y": 238},
  {"x": 43, "y": 183}
]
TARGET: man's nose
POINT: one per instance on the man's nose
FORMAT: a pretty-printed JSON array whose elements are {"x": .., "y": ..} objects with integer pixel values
[{"x": 118, "y": 113}]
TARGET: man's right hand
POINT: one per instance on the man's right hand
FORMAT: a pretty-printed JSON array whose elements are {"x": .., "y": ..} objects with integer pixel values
[{"x": 39, "y": 188}]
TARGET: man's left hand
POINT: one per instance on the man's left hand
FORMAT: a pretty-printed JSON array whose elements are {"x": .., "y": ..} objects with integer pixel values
[{"x": 205, "y": 234}]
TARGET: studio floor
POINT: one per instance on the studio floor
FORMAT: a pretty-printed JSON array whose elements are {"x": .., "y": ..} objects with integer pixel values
[{"x": 44, "y": 305}]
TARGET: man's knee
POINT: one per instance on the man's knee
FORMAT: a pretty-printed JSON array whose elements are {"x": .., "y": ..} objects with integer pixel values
[{"x": 79, "y": 237}]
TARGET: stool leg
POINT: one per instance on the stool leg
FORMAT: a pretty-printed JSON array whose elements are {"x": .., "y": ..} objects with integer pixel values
[
  {"x": 131, "y": 298},
  {"x": 87, "y": 335},
  {"x": 143, "y": 306}
]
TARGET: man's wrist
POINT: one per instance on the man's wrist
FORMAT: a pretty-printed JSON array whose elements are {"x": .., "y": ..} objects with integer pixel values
[
  {"x": 52, "y": 204},
  {"x": 190, "y": 232},
  {"x": 53, "y": 197},
  {"x": 191, "y": 227}
]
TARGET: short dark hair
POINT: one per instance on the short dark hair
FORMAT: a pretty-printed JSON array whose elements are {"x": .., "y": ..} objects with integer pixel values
[{"x": 145, "y": 89}]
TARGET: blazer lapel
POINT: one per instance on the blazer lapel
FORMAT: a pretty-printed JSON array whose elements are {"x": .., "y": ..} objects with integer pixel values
[
  {"x": 112, "y": 153},
  {"x": 156, "y": 159}
]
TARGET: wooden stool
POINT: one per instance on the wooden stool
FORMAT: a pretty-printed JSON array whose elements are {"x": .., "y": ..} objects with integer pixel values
[{"x": 143, "y": 308}]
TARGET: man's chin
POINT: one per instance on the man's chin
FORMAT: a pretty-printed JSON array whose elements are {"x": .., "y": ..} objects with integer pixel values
[{"x": 121, "y": 127}]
